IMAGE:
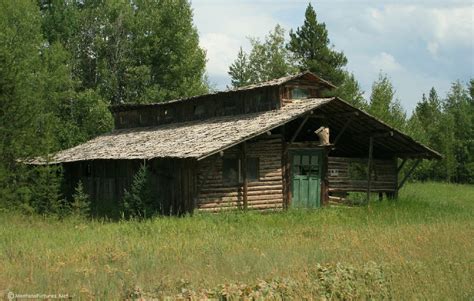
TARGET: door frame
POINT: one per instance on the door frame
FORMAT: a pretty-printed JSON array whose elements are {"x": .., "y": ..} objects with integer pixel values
[{"x": 320, "y": 152}]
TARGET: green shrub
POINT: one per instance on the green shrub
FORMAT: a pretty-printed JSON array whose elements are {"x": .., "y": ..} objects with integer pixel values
[
  {"x": 138, "y": 202},
  {"x": 81, "y": 204},
  {"x": 46, "y": 190}
]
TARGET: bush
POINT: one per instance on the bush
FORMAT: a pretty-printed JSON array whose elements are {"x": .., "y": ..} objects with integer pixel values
[{"x": 81, "y": 204}]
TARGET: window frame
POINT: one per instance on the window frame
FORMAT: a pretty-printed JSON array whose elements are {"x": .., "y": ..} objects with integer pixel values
[
  {"x": 307, "y": 92},
  {"x": 238, "y": 161}
]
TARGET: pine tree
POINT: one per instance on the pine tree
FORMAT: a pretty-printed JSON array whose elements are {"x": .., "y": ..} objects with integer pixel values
[
  {"x": 459, "y": 110},
  {"x": 138, "y": 202},
  {"x": 80, "y": 206},
  {"x": 311, "y": 47},
  {"x": 425, "y": 125},
  {"x": 239, "y": 70}
]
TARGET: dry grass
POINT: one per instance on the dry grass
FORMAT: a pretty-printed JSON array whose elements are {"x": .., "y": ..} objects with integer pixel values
[{"x": 423, "y": 244}]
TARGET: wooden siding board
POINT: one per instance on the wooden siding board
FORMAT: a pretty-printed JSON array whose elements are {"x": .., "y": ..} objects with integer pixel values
[
  {"x": 267, "y": 192},
  {"x": 385, "y": 175}
]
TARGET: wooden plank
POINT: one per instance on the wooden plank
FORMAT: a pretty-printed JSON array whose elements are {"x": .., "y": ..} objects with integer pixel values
[
  {"x": 344, "y": 128},
  {"x": 409, "y": 173},
  {"x": 401, "y": 165}
]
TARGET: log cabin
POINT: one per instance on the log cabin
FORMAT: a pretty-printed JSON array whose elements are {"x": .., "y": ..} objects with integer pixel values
[{"x": 268, "y": 146}]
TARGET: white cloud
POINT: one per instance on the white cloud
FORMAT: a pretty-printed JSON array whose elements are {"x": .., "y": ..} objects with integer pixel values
[
  {"x": 225, "y": 26},
  {"x": 385, "y": 62},
  {"x": 418, "y": 43},
  {"x": 221, "y": 51},
  {"x": 440, "y": 25}
]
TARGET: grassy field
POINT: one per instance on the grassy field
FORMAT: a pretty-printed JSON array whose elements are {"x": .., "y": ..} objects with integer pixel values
[{"x": 419, "y": 247}]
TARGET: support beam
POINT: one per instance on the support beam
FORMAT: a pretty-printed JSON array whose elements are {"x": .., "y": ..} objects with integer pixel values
[
  {"x": 375, "y": 134},
  {"x": 299, "y": 129},
  {"x": 369, "y": 170},
  {"x": 409, "y": 173},
  {"x": 401, "y": 165},
  {"x": 339, "y": 114},
  {"x": 344, "y": 128}
]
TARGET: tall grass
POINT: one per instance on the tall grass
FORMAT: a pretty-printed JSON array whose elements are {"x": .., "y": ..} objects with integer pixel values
[{"x": 424, "y": 243}]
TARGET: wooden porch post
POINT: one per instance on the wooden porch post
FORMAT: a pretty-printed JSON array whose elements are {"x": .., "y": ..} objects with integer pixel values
[{"x": 369, "y": 169}]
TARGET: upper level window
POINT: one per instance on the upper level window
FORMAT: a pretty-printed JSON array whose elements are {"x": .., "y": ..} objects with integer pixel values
[
  {"x": 199, "y": 110},
  {"x": 229, "y": 106},
  {"x": 299, "y": 93},
  {"x": 168, "y": 114}
]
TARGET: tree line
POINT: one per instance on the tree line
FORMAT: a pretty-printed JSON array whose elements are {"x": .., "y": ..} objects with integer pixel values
[
  {"x": 444, "y": 124},
  {"x": 63, "y": 62}
]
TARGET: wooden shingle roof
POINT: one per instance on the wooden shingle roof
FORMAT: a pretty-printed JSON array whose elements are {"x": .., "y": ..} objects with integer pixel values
[
  {"x": 194, "y": 139},
  {"x": 202, "y": 138}
]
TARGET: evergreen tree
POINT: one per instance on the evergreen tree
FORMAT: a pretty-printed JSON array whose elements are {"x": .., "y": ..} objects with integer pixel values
[
  {"x": 458, "y": 106},
  {"x": 425, "y": 126},
  {"x": 239, "y": 71},
  {"x": 384, "y": 106},
  {"x": 267, "y": 60},
  {"x": 446, "y": 126},
  {"x": 311, "y": 47},
  {"x": 81, "y": 204},
  {"x": 139, "y": 202}
]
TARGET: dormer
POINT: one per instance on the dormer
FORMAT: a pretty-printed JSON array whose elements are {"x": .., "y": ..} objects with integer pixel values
[{"x": 266, "y": 96}]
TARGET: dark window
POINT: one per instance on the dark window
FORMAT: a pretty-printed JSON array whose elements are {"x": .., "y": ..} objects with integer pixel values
[
  {"x": 199, "y": 110},
  {"x": 230, "y": 170},
  {"x": 229, "y": 106},
  {"x": 168, "y": 114},
  {"x": 299, "y": 93},
  {"x": 232, "y": 173},
  {"x": 87, "y": 169},
  {"x": 306, "y": 165},
  {"x": 252, "y": 169}
]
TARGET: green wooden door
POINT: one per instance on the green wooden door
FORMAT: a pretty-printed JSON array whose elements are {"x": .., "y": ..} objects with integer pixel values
[{"x": 306, "y": 178}]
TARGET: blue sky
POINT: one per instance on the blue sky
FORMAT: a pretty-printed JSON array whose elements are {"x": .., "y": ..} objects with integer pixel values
[{"x": 418, "y": 44}]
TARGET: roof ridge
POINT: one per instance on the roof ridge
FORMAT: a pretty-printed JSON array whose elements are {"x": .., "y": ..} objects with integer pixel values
[{"x": 269, "y": 83}]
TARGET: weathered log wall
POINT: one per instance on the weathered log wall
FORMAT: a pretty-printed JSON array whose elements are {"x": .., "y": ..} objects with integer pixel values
[
  {"x": 384, "y": 175},
  {"x": 202, "y": 107},
  {"x": 265, "y": 193},
  {"x": 173, "y": 183}
]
